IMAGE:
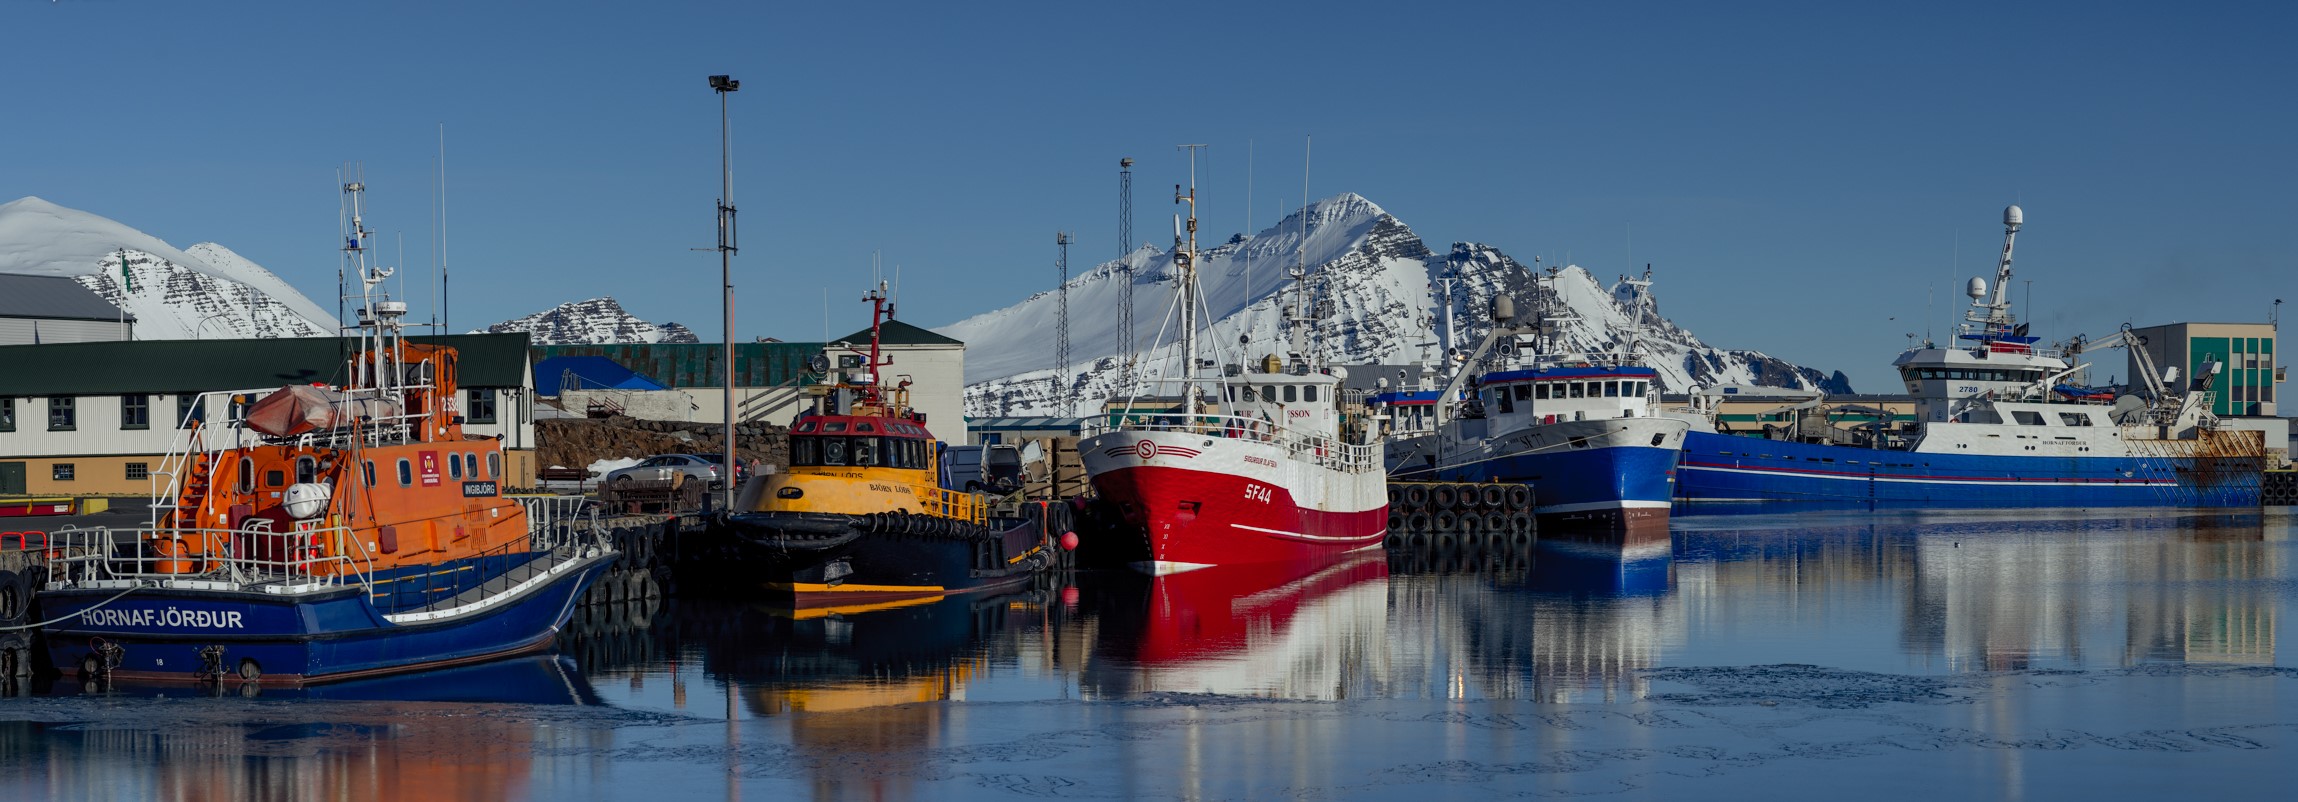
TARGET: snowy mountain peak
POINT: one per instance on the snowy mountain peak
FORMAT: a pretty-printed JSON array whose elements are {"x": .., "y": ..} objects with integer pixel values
[
  {"x": 596, "y": 321},
  {"x": 173, "y": 293},
  {"x": 1370, "y": 292}
]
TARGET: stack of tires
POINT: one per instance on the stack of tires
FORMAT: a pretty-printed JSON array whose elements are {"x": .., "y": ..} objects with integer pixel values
[
  {"x": 2278, "y": 489},
  {"x": 16, "y": 637},
  {"x": 629, "y": 593},
  {"x": 1420, "y": 511}
]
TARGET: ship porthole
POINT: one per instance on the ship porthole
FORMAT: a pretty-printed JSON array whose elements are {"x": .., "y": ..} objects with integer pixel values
[{"x": 248, "y": 670}]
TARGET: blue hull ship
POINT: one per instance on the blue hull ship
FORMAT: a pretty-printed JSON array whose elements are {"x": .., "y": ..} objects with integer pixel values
[
  {"x": 1999, "y": 423},
  {"x": 322, "y": 532},
  {"x": 1727, "y": 468},
  {"x": 1579, "y": 427},
  {"x": 140, "y": 629}
]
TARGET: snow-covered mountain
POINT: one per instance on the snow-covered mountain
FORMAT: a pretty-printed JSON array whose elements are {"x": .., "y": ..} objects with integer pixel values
[
  {"x": 1370, "y": 280},
  {"x": 595, "y": 321},
  {"x": 174, "y": 294}
]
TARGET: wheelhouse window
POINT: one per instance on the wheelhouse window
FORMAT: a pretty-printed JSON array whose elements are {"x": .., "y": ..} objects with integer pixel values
[
  {"x": 406, "y": 474},
  {"x": 471, "y": 465},
  {"x": 2075, "y": 418},
  {"x": 455, "y": 467},
  {"x": 1523, "y": 392},
  {"x": 2027, "y": 417},
  {"x": 1579, "y": 389},
  {"x": 63, "y": 414},
  {"x": 1291, "y": 394},
  {"x": 1540, "y": 391},
  {"x": 478, "y": 406},
  {"x": 135, "y": 412},
  {"x": 494, "y": 464},
  {"x": 1309, "y": 393},
  {"x": 1611, "y": 389}
]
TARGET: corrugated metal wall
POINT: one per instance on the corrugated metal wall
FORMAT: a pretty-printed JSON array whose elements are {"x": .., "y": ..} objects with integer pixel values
[{"x": 22, "y": 331}]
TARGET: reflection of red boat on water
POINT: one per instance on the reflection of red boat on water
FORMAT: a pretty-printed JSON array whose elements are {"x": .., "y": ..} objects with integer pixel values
[{"x": 1281, "y": 629}]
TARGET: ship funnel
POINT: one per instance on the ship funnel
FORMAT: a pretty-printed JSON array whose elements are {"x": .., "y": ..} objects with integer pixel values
[
  {"x": 1503, "y": 309},
  {"x": 2012, "y": 216},
  {"x": 1977, "y": 289}
]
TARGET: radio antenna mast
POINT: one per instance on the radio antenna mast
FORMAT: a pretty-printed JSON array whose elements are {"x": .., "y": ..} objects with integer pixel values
[
  {"x": 1061, "y": 325},
  {"x": 1124, "y": 272}
]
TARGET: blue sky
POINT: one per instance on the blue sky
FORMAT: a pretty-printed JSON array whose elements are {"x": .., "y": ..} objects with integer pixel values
[{"x": 1798, "y": 174}]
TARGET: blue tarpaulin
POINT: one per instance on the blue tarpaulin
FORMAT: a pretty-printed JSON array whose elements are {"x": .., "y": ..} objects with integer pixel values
[{"x": 590, "y": 373}]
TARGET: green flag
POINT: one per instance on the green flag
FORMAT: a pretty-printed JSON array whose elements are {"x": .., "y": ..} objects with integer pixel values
[{"x": 127, "y": 281}]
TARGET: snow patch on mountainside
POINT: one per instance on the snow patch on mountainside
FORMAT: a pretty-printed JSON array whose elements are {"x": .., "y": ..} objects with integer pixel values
[
  {"x": 596, "y": 321},
  {"x": 1370, "y": 301},
  {"x": 204, "y": 290}
]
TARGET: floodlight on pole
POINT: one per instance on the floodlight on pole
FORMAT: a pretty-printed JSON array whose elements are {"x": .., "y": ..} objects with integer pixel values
[{"x": 724, "y": 84}]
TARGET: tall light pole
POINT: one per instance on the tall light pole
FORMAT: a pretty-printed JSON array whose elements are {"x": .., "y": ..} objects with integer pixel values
[{"x": 725, "y": 85}]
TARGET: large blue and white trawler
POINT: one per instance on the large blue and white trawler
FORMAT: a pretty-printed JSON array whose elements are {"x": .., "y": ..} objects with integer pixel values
[
  {"x": 1580, "y": 427},
  {"x": 2000, "y": 422}
]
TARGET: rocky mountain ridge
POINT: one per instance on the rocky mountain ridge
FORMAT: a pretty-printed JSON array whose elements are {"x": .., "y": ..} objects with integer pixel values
[
  {"x": 1370, "y": 299},
  {"x": 595, "y": 321}
]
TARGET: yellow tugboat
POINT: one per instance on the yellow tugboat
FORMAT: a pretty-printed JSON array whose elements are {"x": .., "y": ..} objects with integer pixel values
[{"x": 860, "y": 517}]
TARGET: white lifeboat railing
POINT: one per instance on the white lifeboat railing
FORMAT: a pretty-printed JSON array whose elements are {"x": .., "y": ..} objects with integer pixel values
[{"x": 1324, "y": 450}]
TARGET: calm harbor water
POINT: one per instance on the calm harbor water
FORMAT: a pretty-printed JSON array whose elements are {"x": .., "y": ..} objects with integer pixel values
[{"x": 2039, "y": 654}]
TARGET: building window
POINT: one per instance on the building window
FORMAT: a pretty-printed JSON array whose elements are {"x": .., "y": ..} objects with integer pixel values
[
  {"x": 190, "y": 413},
  {"x": 139, "y": 471},
  {"x": 7, "y": 414},
  {"x": 135, "y": 412},
  {"x": 479, "y": 406},
  {"x": 62, "y": 472},
  {"x": 62, "y": 416}
]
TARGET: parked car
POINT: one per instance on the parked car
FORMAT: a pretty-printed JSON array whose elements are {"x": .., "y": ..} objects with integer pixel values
[{"x": 662, "y": 468}]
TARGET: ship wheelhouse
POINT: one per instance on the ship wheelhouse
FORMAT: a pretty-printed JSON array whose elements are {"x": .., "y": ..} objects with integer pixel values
[
  {"x": 1559, "y": 394},
  {"x": 823, "y": 442}
]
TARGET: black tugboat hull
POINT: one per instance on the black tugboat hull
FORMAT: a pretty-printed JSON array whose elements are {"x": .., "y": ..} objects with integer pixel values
[{"x": 811, "y": 559}]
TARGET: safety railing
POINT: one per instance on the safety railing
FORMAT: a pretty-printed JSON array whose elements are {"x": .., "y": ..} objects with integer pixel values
[
  {"x": 1327, "y": 451},
  {"x": 496, "y": 572},
  {"x": 959, "y": 504},
  {"x": 252, "y": 555}
]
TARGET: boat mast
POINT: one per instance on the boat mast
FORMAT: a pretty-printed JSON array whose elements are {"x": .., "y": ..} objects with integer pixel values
[
  {"x": 1998, "y": 305},
  {"x": 1185, "y": 263}
]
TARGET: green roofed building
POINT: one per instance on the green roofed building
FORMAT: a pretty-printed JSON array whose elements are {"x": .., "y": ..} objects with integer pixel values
[{"x": 95, "y": 417}]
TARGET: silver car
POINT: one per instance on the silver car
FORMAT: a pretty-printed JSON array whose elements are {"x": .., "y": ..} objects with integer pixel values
[{"x": 664, "y": 468}]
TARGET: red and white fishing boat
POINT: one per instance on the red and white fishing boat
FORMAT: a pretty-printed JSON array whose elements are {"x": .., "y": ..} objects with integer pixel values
[{"x": 1247, "y": 468}]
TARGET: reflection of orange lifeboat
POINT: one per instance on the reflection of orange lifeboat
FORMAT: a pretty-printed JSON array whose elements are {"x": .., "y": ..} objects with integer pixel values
[{"x": 1246, "y": 628}]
